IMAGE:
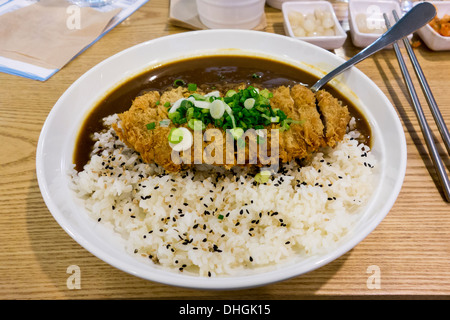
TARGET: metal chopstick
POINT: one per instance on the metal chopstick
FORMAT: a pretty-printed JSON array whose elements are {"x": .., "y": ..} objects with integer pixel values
[
  {"x": 426, "y": 131},
  {"x": 443, "y": 130}
]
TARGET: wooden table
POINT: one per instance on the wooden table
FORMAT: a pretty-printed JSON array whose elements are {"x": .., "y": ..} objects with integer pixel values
[{"x": 410, "y": 249}]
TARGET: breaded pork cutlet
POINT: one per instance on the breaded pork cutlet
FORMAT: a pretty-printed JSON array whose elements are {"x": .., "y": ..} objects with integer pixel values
[{"x": 320, "y": 120}]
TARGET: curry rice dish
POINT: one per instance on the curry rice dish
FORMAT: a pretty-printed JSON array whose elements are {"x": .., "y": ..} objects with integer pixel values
[{"x": 227, "y": 217}]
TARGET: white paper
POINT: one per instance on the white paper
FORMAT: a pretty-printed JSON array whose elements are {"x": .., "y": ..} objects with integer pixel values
[{"x": 38, "y": 73}]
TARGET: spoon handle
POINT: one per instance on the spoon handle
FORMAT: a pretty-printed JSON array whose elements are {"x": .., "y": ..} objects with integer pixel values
[{"x": 413, "y": 20}]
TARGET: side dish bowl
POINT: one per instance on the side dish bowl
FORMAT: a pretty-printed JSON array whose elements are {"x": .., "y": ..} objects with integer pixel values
[
  {"x": 432, "y": 39},
  {"x": 373, "y": 11},
  {"x": 55, "y": 149},
  {"x": 308, "y": 7}
]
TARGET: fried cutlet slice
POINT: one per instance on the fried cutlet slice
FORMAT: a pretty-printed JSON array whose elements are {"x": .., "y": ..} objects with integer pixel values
[
  {"x": 151, "y": 144},
  {"x": 335, "y": 117},
  {"x": 292, "y": 144}
]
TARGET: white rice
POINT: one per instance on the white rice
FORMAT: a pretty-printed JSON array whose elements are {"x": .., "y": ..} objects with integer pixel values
[{"x": 219, "y": 223}]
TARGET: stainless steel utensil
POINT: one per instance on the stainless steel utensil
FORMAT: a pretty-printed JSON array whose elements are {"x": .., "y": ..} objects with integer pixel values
[
  {"x": 426, "y": 131},
  {"x": 413, "y": 20}
]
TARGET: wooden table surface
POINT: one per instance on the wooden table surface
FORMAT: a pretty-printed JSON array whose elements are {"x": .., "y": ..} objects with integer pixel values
[{"x": 409, "y": 250}]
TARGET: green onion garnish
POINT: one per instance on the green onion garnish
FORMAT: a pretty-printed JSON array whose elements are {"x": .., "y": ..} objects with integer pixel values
[
  {"x": 238, "y": 110},
  {"x": 220, "y": 217},
  {"x": 217, "y": 109},
  {"x": 151, "y": 126},
  {"x": 230, "y": 93},
  {"x": 176, "y": 135},
  {"x": 196, "y": 125},
  {"x": 179, "y": 83},
  {"x": 192, "y": 87},
  {"x": 198, "y": 97},
  {"x": 237, "y": 133},
  {"x": 263, "y": 176},
  {"x": 249, "y": 103},
  {"x": 164, "y": 123}
]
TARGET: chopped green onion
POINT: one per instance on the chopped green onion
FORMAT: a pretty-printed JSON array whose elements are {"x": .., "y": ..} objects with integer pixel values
[
  {"x": 167, "y": 104},
  {"x": 230, "y": 93},
  {"x": 256, "y": 76},
  {"x": 217, "y": 109},
  {"x": 249, "y": 103},
  {"x": 186, "y": 104},
  {"x": 157, "y": 103},
  {"x": 164, "y": 123},
  {"x": 230, "y": 115},
  {"x": 195, "y": 125},
  {"x": 266, "y": 93},
  {"x": 174, "y": 116},
  {"x": 275, "y": 119},
  {"x": 198, "y": 97},
  {"x": 176, "y": 135},
  {"x": 213, "y": 94},
  {"x": 179, "y": 83},
  {"x": 220, "y": 217},
  {"x": 189, "y": 113},
  {"x": 151, "y": 126},
  {"x": 263, "y": 176},
  {"x": 237, "y": 133},
  {"x": 285, "y": 123},
  {"x": 192, "y": 87}
]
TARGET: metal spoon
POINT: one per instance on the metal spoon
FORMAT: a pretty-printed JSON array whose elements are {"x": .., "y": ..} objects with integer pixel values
[{"x": 413, "y": 20}]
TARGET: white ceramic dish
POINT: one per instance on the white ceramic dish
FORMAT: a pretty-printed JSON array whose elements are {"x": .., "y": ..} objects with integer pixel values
[
  {"x": 373, "y": 9},
  {"x": 57, "y": 140},
  {"x": 307, "y": 7},
  {"x": 230, "y": 14},
  {"x": 432, "y": 39},
  {"x": 276, "y": 3}
]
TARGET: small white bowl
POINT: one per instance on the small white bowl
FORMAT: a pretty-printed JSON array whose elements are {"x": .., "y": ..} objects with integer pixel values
[
  {"x": 432, "y": 39},
  {"x": 230, "y": 14},
  {"x": 307, "y": 7},
  {"x": 373, "y": 9},
  {"x": 276, "y": 3}
]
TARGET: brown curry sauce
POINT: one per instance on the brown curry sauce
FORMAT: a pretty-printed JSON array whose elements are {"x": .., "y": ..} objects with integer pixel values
[{"x": 208, "y": 72}]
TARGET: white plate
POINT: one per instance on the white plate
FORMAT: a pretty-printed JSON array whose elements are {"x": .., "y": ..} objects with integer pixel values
[{"x": 57, "y": 141}]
